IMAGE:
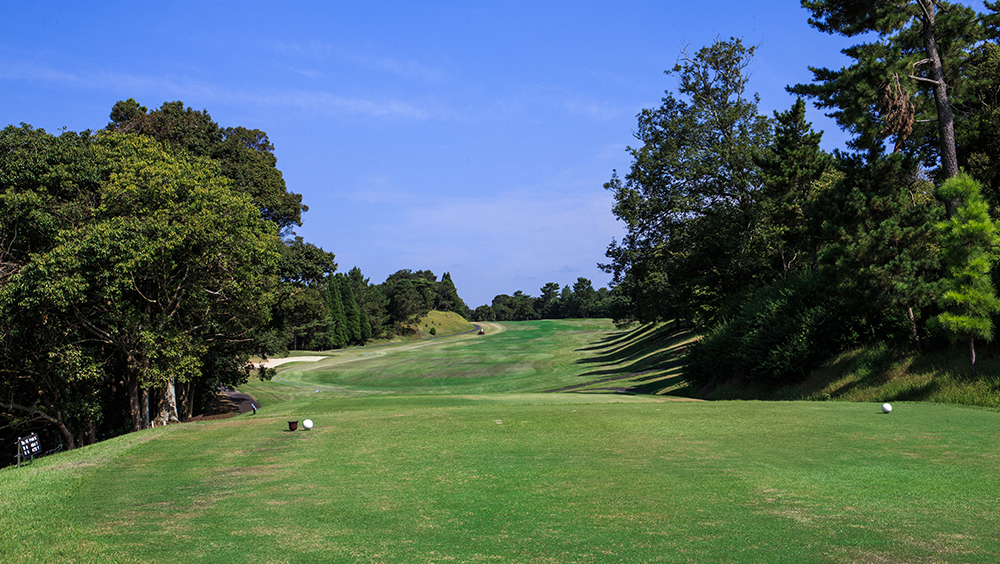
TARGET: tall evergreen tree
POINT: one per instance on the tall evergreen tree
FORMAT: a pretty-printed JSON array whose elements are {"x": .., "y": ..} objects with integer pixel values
[
  {"x": 337, "y": 335},
  {"x": 352, "y": 311},
  {"x": 548, "y": 301},
  {"x": 790, "y": 171},
  {"x": 447, "y": 297},
  {"x": 977, "y": 120},
  {"x": 902, "y": 84},
  {"x": 360, "y": 289},
  {"x": 970, "y": 240},
  {"x": 879, "y": 239}
]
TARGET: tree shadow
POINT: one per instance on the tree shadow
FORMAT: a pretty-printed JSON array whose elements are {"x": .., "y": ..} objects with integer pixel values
[
  {"x": 633, "y": 345},
  {"x": 646, "y": 360},
  {"x": 619, "y": 338}
]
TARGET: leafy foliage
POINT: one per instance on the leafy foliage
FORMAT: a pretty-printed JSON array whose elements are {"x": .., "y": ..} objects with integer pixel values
[
  {"x": 779, "y": 333},
  {"x": 160, "y": 269},
  {"x": 577, "y": 301},
  {"x": 245, "y": 156},
  {"x": 690, "y": 202}
]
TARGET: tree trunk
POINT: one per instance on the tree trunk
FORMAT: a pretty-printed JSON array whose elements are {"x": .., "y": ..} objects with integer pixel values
[
  {"x": 91, "y": 432},
  {"x": 69, "y": 442},
  {"x": 913, "y": 327},
  {"x": 185, "y": 403},
  {"x": 167, "y": 412},
  {"x": 972, "y": 353},
  {"x": 133, "y": 401},
  {"x": 144, "y": 407},
  {"x": 946, "y": 120}
]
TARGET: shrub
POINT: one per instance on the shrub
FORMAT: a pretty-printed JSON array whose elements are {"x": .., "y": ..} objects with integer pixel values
[{"x": 778, "y": 333}]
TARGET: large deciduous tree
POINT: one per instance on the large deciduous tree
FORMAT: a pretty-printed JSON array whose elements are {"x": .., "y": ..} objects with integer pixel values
[
  {"x": 245, "y": 156},
  {"x": 690, "y": 202},
  {"x": 167, "y": 269}
]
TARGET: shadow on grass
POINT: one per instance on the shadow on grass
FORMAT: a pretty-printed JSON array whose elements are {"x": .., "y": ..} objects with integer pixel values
[
  {"x": 646, "y": 360},
  {"x": 620, "y": 338}
]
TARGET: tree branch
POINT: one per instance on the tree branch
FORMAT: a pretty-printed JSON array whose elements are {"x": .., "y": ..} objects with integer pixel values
[
  {"x": 38, "y": 414},
  {"x": 922, "y": 79},
  {"x": 102, "y": 335}
]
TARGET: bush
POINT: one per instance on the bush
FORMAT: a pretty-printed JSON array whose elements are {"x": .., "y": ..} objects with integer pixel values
[{"x": 779, "y": 333}]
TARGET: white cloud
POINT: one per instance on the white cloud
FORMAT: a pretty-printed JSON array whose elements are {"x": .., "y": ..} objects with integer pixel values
[
  {"x": 403, "y": 68},
  {"x": 327, "y": 103},
  {"x": 321, "y": 51},
  {"x": 313, "y": 49},
  {"x": 601, "y": 111},
  {"x": 14, "y": 70},
  {"x": 185, "y": 88}
]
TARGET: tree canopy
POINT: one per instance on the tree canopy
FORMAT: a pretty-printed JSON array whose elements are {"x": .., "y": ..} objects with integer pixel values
[
  {"x": 691, "y": 201},
  {"x": 245, "y": 156},
  {"x": 160, "y": 268}
]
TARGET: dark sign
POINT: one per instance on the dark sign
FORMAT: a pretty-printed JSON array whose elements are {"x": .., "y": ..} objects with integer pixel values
[{"x": 28, "y": 446}]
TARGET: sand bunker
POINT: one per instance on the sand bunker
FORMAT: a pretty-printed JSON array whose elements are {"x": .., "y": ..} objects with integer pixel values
[{"x": 272, "y": 362}]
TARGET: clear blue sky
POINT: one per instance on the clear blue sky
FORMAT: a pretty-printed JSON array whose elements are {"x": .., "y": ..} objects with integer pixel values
[{"x": 467, "y": 137}]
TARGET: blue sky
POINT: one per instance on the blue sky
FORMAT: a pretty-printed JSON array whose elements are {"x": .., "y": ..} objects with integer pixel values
[{"x": 466, "y": 137}]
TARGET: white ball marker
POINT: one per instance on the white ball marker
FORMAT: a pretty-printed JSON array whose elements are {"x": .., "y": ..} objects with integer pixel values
[
  {"x": 886, "y": 408},
  {"x": 307, "y": 424}
]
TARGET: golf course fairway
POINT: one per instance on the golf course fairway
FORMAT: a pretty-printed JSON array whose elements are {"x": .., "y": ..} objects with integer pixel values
[{"x": 458, "y": 450}]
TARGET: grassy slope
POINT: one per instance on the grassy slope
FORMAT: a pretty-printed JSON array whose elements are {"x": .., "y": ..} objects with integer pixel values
[
  {"x": 406, "y": 464},
  {"x": 880, "y": 374},
  {"x": 443, "y": 322}
]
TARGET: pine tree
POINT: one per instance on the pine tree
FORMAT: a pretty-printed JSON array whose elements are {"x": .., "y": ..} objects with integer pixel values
[
  {"x": 791, "y": 169},
  {"x": 878, "y": 225},
  {"x": 352, "y": 312},
  {"x": 904, "y": 82},
  {"x": 337, "y": 335},
  {"x": 447, "y": 297},
  {"x": 363, "y": 295},
  {"x": 969, "y": 239}
]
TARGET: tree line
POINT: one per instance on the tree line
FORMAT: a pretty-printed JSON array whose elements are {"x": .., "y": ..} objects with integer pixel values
[
  {"x": 741, "y": 225},
  {"x": 142, "y": 265},
  {"x": 334, "y": 311},
  {"x": 578, "y": 300}
]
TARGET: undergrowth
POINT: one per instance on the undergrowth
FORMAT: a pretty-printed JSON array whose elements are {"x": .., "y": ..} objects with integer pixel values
[
  {"x": 881, "y": 373},
  {"x": 878, "y": 373}
]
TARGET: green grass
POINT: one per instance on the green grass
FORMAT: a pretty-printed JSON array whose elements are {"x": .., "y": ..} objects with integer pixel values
[
  {"x": 444, "y": 323},
  {"x": 517, "y": 357},
  {"x": 880, "y": 373},
  {"x": 486, "y": 465}
]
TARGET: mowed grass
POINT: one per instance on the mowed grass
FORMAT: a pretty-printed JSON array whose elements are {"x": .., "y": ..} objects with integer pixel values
[
  {"x": 488, "y": 476},
  {"x": 511, "y": 358}
]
